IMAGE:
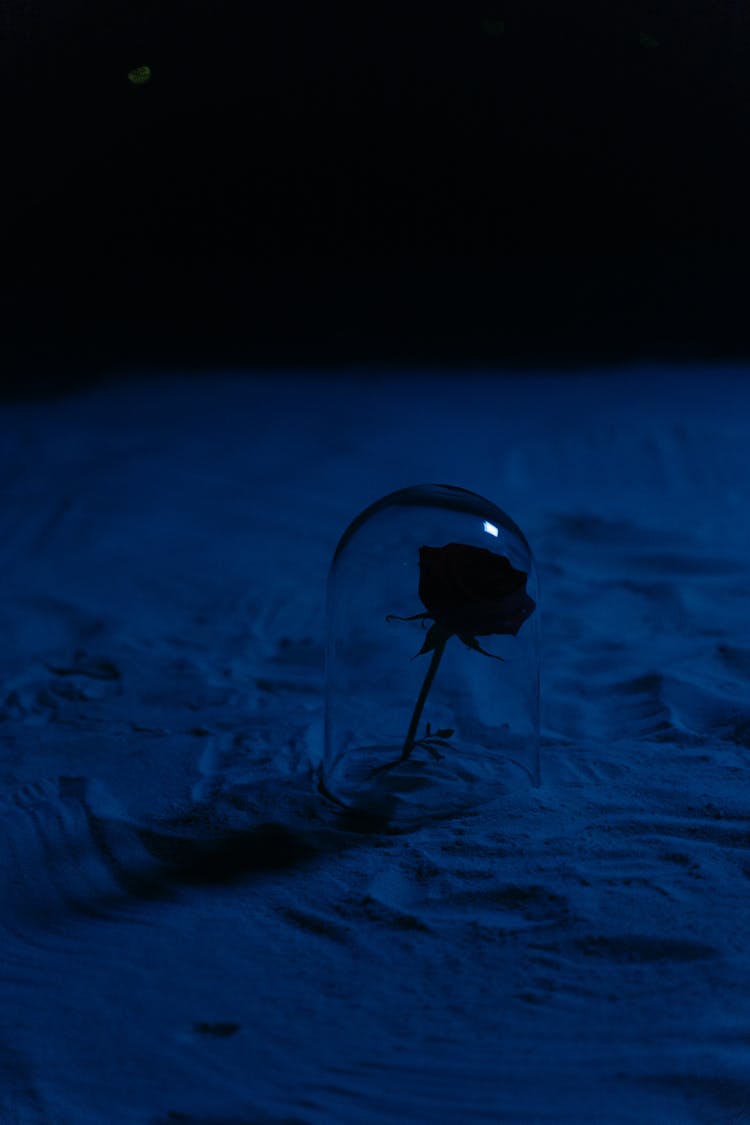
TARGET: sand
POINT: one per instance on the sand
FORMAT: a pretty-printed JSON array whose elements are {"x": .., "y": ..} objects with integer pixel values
[{"x": 188, "y": 931}]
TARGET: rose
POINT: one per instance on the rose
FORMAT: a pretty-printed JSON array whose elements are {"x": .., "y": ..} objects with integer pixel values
[
  {"x": 472, "y": 592},
  {"x": 468, "y": 592}
]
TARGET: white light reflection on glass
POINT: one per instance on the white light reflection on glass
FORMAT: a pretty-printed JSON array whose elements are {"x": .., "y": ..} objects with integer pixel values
[{"x": 490, "y": 528}]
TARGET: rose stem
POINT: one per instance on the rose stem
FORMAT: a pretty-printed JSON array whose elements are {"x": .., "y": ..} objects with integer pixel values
[{"x": 437, "y": 653}]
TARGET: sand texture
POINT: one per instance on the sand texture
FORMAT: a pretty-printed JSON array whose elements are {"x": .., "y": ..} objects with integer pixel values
[{"x": 188, "y": 931}]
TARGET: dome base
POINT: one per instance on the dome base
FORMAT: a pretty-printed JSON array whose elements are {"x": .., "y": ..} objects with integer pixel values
[{"x": 372, "y": 783}]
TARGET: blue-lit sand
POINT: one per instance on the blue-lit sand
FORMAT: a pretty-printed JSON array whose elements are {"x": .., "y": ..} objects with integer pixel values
[{"x": 187, "y": 932}]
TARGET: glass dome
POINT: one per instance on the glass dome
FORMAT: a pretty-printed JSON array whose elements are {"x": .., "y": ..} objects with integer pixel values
[{"x": 432, "y": 658}]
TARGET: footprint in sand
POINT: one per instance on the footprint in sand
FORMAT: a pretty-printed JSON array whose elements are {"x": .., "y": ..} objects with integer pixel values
[
  {"x": 625, "y": 948},
  {"x": 433, "y": 902}
]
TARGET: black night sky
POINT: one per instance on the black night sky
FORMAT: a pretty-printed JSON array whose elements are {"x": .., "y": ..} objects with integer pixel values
[{"x": 523, "y": 183}]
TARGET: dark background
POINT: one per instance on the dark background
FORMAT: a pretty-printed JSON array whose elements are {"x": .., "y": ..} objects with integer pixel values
[{"x": 527, "y": 183}]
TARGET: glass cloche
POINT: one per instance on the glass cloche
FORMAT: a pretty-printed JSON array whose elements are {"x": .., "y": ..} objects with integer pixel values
[{"x": 432, "y": 658}]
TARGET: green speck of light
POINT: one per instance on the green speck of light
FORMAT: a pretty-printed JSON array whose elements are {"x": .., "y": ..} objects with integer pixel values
[
  {"x": 140, "y": 75},
  {"x": 646, "y": 39}
]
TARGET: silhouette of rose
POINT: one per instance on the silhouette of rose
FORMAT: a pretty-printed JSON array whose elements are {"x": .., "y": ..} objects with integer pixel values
[
  {"x": 472, "y": 592},
  {"x": 468, "y": 592}
]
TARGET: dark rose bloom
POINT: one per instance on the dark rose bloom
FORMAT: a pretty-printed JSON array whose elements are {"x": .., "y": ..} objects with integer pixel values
[{"x": 472, "y": 592}]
